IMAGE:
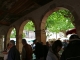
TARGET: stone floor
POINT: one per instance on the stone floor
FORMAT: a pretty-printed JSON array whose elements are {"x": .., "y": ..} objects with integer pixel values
[{"x": 2, "y": 57}]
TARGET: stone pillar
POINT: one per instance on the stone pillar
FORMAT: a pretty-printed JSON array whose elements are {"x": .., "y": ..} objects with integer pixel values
[
  {"x": 38, "y": 35},
  {"x": 1, "y": 43},
  {"x": 18, "y": 42},
  {"x": 77, "y": 26},
  {"x": 78, "y": 30},
  {"x": 41, "y": 36},
  {"x": 5, "y": 41}
]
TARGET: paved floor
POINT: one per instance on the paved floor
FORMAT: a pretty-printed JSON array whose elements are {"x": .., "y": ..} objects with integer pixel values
[{"x": 2, "y": 56}]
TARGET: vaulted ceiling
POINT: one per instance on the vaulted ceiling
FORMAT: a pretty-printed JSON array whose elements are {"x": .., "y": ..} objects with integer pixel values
[{"x": 12, "y": 10}]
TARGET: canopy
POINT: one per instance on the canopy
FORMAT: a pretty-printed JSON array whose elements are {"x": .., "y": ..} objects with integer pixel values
[{"x": 72, "y": 31}]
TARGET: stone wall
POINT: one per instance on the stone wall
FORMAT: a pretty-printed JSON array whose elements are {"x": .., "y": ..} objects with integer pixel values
[{"x": 40, "y": 15}]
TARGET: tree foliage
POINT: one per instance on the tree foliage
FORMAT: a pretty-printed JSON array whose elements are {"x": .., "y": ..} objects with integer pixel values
[
  {"x": 60, "y": 21},
  {"x": 29, "y": 26},
  {"x": 13, "y": 33}
]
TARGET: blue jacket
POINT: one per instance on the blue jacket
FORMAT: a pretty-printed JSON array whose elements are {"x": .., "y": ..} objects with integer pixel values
[{"x": 13, "y": 54}]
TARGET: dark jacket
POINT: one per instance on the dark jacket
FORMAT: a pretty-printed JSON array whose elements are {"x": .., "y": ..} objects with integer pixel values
[
  {"x": 13, "y": 54},
  {"x": 28, "y": 52},
  {"x": 39, "y": 50},
  {"x": 72, "y": 51}
]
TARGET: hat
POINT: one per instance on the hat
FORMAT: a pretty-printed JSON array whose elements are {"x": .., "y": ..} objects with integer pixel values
[{"x": 74, "y": 37}]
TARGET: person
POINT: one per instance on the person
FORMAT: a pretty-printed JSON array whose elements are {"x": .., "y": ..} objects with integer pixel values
[
  {"x": 33, "y": 45},
  {"x": 64, "y": 44},
  {"x": 39, "y": 51},
  {"x": 13, "y": 52},
  {"x": 5, "y": 52},
  {"x": 54, "y": 50},
  {"x": 47, "y": 44},
  {"x": 46, "y": 48},
  {"x": 72, "y": 51},
  {"x": 26, "y": 51}
]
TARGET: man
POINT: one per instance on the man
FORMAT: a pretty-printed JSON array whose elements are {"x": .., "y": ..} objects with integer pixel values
[
  {"x": 13, "y": 52},
  {"x": 72, "y": 51},
  {"x": 39, "y": 51},
  {"x": 64, "y": 44},
  {"x": 26, "y": 51}
]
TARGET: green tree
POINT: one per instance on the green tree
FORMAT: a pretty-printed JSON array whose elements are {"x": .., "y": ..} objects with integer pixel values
[
  {"x": 13, "y": 33},
  {"x": 60, "y": 20},
  {"x": 29, "y": 26}
]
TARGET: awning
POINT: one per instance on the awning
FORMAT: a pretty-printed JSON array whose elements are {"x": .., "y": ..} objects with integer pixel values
[{"x": 72, "y": 31}]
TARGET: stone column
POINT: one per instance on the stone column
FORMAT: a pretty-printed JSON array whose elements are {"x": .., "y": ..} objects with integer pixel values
[
  {"x": 78, "y": 30},
  {"x": 38, "y": 35},
  {"x": 77, "y": 26},
  {"x": 18, "y": 42},
  {"x": 41, "y": 36},
  {"x": 6, "y": 40},
  {"x": 1, "y": 43}
]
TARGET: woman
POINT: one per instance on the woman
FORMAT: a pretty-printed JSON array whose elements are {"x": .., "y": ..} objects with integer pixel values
[
  {"x": 5, "y": 52},
  {"x": 54, "y": 50}
]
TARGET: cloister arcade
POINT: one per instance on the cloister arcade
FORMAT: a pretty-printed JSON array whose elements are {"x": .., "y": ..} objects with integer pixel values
[{"x": 39, "y": 17}]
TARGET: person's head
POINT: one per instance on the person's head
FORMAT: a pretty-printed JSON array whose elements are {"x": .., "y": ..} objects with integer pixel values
[
  {"x": 11, "y": 43},
  {"x": 47, "y": 43},
  {"x": 56, "y": 46},
  {"x": 74, "y": 37},
  {"x": 34, "y": 42},
  {"x": 24, "y": 41},
  {"x": 64, "y": 40}
]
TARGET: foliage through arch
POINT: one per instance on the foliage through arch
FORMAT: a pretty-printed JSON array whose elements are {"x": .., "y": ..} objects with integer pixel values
[{"x": 60, "y": 20}]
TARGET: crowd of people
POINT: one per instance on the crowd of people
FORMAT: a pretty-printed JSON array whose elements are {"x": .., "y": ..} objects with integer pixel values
[{"x": 58, "y": 50}]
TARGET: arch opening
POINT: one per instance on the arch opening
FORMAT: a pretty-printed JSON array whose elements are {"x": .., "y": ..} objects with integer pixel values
[
  {"x": 49, "y": 19},
  {"x": 11, "y": 35},
  {"x": 24, "y": 32}
]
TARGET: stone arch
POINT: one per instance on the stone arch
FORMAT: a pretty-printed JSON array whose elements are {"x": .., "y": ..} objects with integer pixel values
[
  {"x": 52, "y": 9},
  {"x": 21, "y": 32},
  {"x": 8, "y": 34},
  {"x": 22, "y": 26}
]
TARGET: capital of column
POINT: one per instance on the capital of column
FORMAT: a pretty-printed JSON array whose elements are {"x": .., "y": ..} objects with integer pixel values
[{"x": 40, "y": 31}]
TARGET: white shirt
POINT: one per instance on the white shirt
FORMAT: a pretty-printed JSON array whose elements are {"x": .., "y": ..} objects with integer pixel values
[{"x": 6, "y": 55}]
